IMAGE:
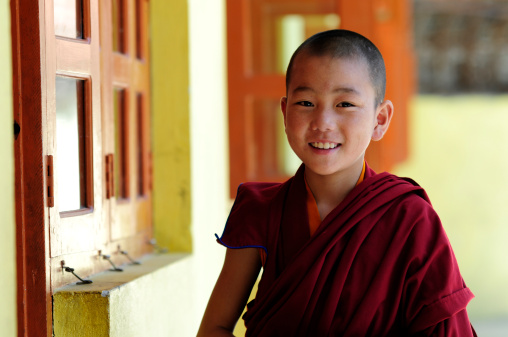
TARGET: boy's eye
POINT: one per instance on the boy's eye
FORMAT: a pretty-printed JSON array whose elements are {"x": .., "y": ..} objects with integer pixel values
[
  {"x": 345, "y": 105},
  {"x": 305, "y": 103}
]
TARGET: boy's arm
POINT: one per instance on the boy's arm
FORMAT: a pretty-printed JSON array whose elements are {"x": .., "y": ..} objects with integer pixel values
[{"x": 239, "y": 273}]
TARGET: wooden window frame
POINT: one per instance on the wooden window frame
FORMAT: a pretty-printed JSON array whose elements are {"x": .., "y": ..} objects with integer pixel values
[{"x": 36, "y": 62}]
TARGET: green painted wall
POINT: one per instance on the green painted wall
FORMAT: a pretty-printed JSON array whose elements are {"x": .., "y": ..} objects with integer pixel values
[{"x": 7, "y": 224}]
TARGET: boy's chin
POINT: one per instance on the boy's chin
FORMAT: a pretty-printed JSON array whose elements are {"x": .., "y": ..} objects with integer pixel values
[
  {"x": 331, "y": 170},
  {"x": 322, "y": 171}
]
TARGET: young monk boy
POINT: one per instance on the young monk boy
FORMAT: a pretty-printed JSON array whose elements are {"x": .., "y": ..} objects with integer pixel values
[{"x": 345, "y": 251}]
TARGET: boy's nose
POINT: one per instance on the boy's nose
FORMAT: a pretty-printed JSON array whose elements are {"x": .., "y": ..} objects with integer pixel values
[{"x": 323, "y": 120}]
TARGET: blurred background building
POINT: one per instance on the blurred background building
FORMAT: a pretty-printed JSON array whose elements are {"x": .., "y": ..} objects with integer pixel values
[
  {"x": 458, "y": 144},
  {"x": 461, "y": 46}
]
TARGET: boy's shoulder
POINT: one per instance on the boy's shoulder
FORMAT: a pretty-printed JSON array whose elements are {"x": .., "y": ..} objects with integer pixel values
[
  {"x": 247, "y": 222},
  {"x": 388, "y": 181},
  {"x": 414, "y": 205},
  {"x": 405, "y": 193},
  {"x": 259, "y": 192},
  {"x": 418, "y": 197}
]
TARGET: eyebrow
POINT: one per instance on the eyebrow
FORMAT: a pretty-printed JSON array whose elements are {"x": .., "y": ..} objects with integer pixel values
[{"x": 335, "y": 90}]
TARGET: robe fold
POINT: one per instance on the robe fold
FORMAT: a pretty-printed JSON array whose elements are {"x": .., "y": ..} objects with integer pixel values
[{"x": 380, "y": 264}]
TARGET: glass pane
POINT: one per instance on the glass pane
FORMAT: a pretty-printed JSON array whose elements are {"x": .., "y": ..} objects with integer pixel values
[
  {"x": 273, "y": 155},
  {"x": 140, "y": 144},
  {"x": 288, "y": 160},
  {"x": 282, "y": 34},
  {"x": 70, "y": 144},
  {"x": 119, "y": 24},
  {"x": 68, "y": 18},
  {"x": 294, "y": 29},
  {"x": 121, "y": 127}
]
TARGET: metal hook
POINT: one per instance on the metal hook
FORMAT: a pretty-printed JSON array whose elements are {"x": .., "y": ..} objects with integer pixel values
[
  {"x": 108, "y": 257},
  {"x": 160, "y": 250},
  {"x": 125, "y": 253},
  {"x": 71, "y": 270}
]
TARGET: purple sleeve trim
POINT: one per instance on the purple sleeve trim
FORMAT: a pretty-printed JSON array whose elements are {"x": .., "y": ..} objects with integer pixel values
[{"x": 219, "y": 240}]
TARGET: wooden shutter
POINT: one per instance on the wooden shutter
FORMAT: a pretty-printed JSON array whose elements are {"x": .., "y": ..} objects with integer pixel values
[
  {"x": 73, "y": 234},
  {"x": 125, "y": 70}
]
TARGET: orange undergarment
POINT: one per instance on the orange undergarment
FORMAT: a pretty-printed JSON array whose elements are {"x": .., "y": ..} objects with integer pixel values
[
  {"x": 313, "y": 213},
  {"x": 312, "y": 209}
]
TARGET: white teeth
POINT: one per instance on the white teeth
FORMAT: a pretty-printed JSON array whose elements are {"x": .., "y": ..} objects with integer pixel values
[{"x": 325, "y": 146}]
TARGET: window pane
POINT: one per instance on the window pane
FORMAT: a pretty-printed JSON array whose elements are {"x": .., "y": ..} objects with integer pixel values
[
  {"x": 68, "y": 18},
  {"x": 140, "y": 144},
  {"x": 294, "y": 29},
  {"x": 121, "y": 152},
  {"x": 70, "y": 144},
  {"x": 119, "y": 25},
  {"x": 280, "y": 35},
  {"x": 272, "y": 154}
]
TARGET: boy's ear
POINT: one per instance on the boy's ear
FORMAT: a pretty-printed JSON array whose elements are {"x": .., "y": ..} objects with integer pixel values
[
  {"x": 283, "y": 105},
  {"x": 384, "y": 113}
]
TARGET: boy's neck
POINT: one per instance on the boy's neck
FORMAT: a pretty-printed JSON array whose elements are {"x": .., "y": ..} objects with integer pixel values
[{"x": 330, "y": 190}]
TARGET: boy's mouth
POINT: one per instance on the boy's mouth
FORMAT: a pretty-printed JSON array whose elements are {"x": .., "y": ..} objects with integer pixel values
[{"x": 324, "y": 146}]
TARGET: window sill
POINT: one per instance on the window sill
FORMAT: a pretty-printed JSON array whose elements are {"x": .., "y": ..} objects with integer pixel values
[{"x": 115, "y": 300}]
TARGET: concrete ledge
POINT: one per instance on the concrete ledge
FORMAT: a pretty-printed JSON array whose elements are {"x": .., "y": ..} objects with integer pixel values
[{"x": 120, "y": 303}]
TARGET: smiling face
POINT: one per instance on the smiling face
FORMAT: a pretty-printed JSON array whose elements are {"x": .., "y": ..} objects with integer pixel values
[{"x": 330, "y": 113}]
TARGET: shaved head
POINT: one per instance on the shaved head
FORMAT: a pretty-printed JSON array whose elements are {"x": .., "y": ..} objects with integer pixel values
[{"x": 340, "y": 43}]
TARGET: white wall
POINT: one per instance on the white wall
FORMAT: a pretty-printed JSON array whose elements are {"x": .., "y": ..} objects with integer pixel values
[{"x": 209, "y": 148}]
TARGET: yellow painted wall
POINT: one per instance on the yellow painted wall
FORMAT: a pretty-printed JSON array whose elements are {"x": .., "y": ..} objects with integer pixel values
[
  {"x": 81, "y": 314},
  {"x": 7, "y": 224},
  {"x": 170, "y": 124}
]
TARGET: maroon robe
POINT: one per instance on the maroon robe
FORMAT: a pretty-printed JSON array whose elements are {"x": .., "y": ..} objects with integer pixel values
[{"x": 380, "y": 264}]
